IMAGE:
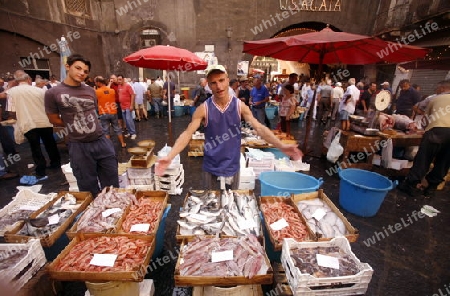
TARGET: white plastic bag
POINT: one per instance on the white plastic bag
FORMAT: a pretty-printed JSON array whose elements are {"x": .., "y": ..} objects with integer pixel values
[
  {"x": 386, "y": 155},
  {"x": 335, "y": 149}
]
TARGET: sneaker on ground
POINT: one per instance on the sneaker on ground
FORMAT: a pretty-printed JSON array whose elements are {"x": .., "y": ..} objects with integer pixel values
[
  {"x": 126, "y": 135},
  {"x": 133, "y": 137}
]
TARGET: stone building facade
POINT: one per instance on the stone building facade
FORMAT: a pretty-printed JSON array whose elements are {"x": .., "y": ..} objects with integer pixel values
[{"x": 108, "y": 30}]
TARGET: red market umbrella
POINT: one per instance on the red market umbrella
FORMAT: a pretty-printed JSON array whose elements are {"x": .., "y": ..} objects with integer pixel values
[
  {"x": 258, "y": 71},
  {"x": 166, "y": 57},
  {"x": 330, "y": 47}
]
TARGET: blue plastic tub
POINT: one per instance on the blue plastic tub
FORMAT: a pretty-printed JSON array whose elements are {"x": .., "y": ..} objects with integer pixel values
[
  {"x": 270, "y": 112},
  {"x": 278, "y": 154},
  {"x": 192, "y": 110},
  {"x": 285, "y": 183},
  {"x": 362, "y": 192},
  {"x": 179, "y": 110},
  {"x": 160, "y": 234}
]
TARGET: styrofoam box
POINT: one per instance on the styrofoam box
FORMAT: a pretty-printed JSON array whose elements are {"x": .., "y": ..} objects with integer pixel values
[
  {"x": 170, "y": 178},
  {"x": 146, "y": 288},
  {"x": 306, "y": 284},
  {"x": 173, "y": 171},
  {"x": 150, "y": 187},
  {"x": 138, "y": 173},
  {"x": 246, "y": 175},
  {"x": 246, "y": 185},
  {"x": 242, "y": 161},
  {"x": 123, "y": 180},
  {"x": 70, "y": 177}
]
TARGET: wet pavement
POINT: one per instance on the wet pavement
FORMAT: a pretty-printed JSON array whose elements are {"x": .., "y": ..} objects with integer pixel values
[{"x": 409, "y": 256}]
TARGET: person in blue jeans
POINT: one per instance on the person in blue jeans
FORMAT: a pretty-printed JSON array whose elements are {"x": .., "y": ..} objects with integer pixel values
[
  {"x": 259, "y": 95},
  {"x": 4, "y": 174}
]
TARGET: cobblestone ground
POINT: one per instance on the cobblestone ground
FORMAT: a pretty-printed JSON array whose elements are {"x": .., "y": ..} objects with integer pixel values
[{"x": 412, "y": 261}]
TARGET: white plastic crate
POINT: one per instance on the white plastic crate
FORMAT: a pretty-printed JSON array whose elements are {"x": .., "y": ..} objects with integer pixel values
[
  {"x": 24, "y": 198},
  {"x": 173, "y": 188},
  {"x": 170, "y": 178},
  {"x": 139, "y": 173},
  {"x": 17, "y": 276},
  {"x": 306, "y": 284},
  {"x": 174, "y": 171}
]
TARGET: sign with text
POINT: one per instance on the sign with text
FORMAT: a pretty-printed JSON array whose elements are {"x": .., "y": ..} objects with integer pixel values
[{"x": 311, "y": 5}]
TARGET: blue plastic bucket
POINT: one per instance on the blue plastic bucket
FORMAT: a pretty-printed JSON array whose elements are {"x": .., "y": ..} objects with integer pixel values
[
  {"x": 362, "y": 192},
  {"x": 192, "y": 110},
  {"x": 285, "y": 183},
  {"x": 270, "y": 112},
  {"x": 179, "y": 110}
]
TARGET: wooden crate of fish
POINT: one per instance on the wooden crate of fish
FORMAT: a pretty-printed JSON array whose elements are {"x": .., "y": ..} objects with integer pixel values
[
  {"x": 144, "y": 218},
  {"x": 77, "y": 263},
  {"x": 211, "y": 213},
  {"x": 25, "y": 203},
  {"x": 345, "y": 276},
  {"x": 223, "y": 262},
  {"x": 104, "y": 213},
  {"x": 313, "y": 206},
  {"x": 51, "y": 221},
  {"x": 283, "y": 220},
  {"x": 20, "y": 262}
]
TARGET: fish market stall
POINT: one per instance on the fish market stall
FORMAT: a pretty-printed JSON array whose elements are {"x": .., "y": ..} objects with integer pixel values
[{"x": 50, "y": 222}]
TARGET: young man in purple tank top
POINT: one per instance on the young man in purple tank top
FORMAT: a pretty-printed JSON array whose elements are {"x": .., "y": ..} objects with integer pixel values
[{"x": 221, "y": 115}]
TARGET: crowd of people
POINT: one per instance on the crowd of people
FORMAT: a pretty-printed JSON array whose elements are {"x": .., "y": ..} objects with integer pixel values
[{"x": 90, "y": 108}]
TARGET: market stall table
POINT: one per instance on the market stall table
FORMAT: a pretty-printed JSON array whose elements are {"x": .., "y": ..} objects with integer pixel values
[
  {"x": 402, "y": 140},
  {"x": 354, "y": 142}
]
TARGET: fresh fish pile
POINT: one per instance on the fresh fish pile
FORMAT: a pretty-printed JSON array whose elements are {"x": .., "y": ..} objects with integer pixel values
[
  {"x": 131, "y": 253},
  {"x": 328, "y": 226},
  {"x": 274, "y": 212},
  {"x": 60, "y": 210},
  {"x": 10, "y": 259},
  {"x": 248, "y": 257},
  {"x": 93, "y": 221},
  {"x": 147, "y": 211},
  {"x": 10, "y": 219},
  {"x": 306, "y": 260},
  {"x": 233, "y": 214}
]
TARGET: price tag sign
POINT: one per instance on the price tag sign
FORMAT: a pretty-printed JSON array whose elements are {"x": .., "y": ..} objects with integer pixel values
[
  {"x": 318, "y": 214},
  {"x": 109, "y": 212},
  {"x": 246, "y": 224},
  {"x": 327, "y": 261},
  {"x": 107, "y": 260},
  {"x": 280, "y": 224},
  {"x": 221, "y": 256},
  {"x": 29, "y": 208},
  {"x": 140, "y": 227},
  {"x": 54, "y": 219}
]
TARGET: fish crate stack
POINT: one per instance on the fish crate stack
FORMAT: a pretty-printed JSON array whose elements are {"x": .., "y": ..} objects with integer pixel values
[
  {"x": 172, "y": 180},
  {"x": 68, "y": 173},
  {"x": 140, "y": 179},
  {"x": 260, "y": 162},
  {"x": 26, "y": 260}
]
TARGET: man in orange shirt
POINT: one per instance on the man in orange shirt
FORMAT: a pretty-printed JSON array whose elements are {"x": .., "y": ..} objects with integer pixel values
[{"x": 107, "y": 109}]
